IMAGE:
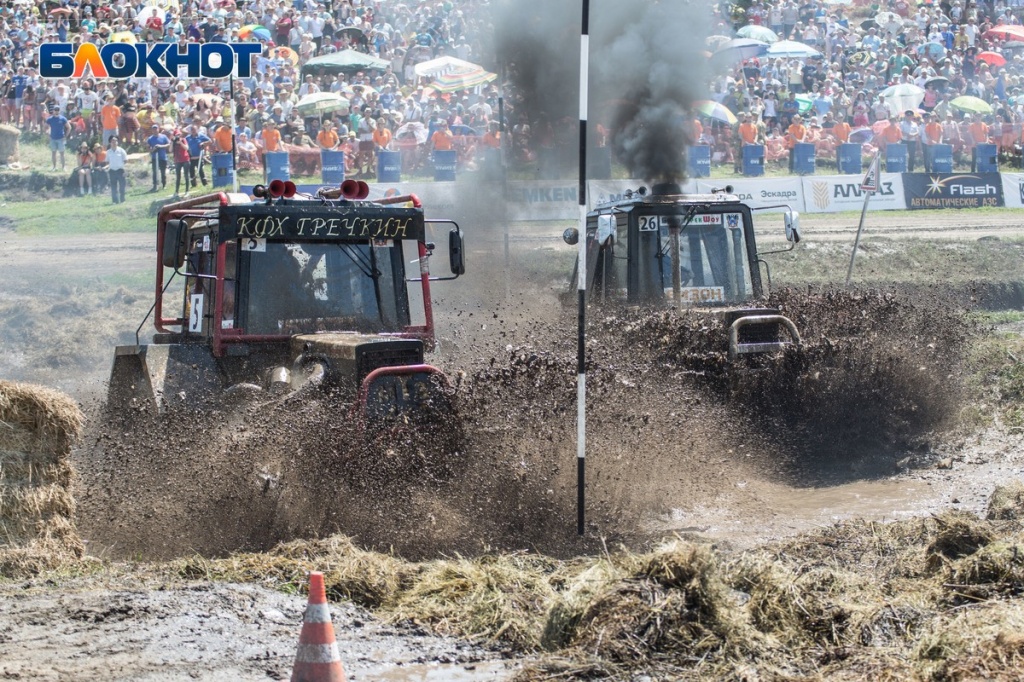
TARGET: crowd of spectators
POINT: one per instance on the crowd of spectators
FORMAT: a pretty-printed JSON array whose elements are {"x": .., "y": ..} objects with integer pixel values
[
  {"x": 180, "y": 122},
  {"x": 947, "y": 50}
]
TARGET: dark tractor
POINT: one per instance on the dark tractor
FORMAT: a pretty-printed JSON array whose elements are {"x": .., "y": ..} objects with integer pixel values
[{"x": 693, "y": 251}]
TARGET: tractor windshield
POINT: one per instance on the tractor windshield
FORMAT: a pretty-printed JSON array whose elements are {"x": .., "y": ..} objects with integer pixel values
[
  {"x": 339, "y": 286},
  {"x": 714, "y": 265}
]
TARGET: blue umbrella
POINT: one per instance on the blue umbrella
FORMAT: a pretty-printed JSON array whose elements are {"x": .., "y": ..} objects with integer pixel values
[
  {"x": 933, "y": 51},
  {"x": 738, "y": 49},
  {"x": 791, "y": 48},
  {"x": 861, "y": 135}
]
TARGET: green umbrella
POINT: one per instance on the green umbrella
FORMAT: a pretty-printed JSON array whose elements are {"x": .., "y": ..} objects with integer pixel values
[
  {"x": 971, "y": 105},
  {"x": 320, "y": 103}
]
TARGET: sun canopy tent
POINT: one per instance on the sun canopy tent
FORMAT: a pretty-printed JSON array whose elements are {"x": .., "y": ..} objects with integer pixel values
[{"x": 345, "y": 61}]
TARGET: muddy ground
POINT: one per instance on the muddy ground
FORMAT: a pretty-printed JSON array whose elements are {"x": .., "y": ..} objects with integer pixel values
[{"x": 66, "y": 300}]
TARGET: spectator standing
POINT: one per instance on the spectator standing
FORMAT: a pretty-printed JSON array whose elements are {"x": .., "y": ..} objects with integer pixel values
[
  {"x": 931, "y": 137},
  {"x": 60, "y": 128},
  {"x": 117, "y": 159},
  {"x": 911, "y": 134},
  {"x": 198, "y": 146},
  {"x": 328, "y": 139},
  {"x": 84, "y": 169},
  {"x": 159, "y": 144},
  {"x": 110, "y": 116},
  {"x": 182, "y": 163}
]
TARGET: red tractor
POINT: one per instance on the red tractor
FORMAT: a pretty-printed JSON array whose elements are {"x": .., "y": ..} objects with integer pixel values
[{"x": 291, "y": 293}]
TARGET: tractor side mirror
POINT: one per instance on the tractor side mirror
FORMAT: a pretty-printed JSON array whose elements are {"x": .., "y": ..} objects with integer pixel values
[
  {"x": 792, "y": 220},
  {"x": 456, "y": 254},
  {"x": 571, "y": 236},
  {"x": 173, "y": 248}
]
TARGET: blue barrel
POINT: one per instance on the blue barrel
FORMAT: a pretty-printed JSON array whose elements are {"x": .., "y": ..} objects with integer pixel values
[
  {"x": 803, "y": 158},
  {"x": 848, "y": 158},
  {"x": 895, "y": 158},
  {"x": 332, "y": 166},
  {"x": 942, "y": 158},
  {"x": 753, "y": 159},
  {"x": 389, "y": 167},
  {"x": 223, "y": 170},
  {"x": 986, "y": 158},
  {"x": 698, "y": 160},
  {"x": 277, "y": 166},
  {"x": 444, "y": 166},
  {"x": 491, "y": 164}
]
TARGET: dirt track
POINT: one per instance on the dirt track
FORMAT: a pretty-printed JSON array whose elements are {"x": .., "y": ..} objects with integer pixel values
[{"x": 64, "y": 281}]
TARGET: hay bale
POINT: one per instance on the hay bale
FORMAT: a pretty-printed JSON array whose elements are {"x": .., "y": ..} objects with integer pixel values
[
  {"x": 8, "y": 143},
  {"x": 38, "y": 427},
  {"x": 675, "y": 607},
  {"x": 1007, "y": 502},
  {"x": 981, "y": 643},
  {"x": 576, "y": 595},
  {"x": 994, "y": 570},
  {"x": 495, "y": 598},
  {"x": 959, "y": 534}
]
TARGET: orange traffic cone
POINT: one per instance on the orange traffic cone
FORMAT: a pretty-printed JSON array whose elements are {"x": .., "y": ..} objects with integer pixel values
[{"x": 317, "y": 659}]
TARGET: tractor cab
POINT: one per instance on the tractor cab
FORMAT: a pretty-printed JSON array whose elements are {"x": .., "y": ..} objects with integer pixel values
[
  {"x": 690, "y": 251},
  {"x": 283, "y": 292}
]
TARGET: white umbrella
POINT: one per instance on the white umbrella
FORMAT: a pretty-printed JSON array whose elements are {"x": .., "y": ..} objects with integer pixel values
[
  {"x": 791, "y": 48},
  {"x": 319, "y": 103},
  {"x": 903, "y": 97},
  {"x": 435, "y": 67},
  {"x": 740, "y": 49}
]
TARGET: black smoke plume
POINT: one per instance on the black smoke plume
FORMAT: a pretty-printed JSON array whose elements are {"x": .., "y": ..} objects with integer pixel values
[{"x": 647, "y": 66}]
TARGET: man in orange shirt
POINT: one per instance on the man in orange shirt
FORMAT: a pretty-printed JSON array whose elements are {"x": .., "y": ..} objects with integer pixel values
[
  {"x": 382, "y": 135},
  {"x": 110, "y": 115},
  {"x": 748, "y": 131},
  {"x": 932, "y": 136},
  {"x": 441, "y": 140},
  {"x": 492, "y": 138},
  {"x": 271, "y": 137},
  {"x": 222, "y": 135},
  {"x": 892, "y": 133},
  {"x": 327, "y": 139},
  {"x": 979, "y": 131},
  {"x": 795, "y": 134},
  {"x": 841, "y": 131}
]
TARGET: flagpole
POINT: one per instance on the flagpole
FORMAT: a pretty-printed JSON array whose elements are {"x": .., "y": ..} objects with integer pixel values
[{"x": 581, "y": 341}]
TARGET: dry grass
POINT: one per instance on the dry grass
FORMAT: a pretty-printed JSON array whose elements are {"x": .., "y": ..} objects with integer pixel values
[
  {"x": 1007, "y": 502},
  {"x": 38, "y": 427}
]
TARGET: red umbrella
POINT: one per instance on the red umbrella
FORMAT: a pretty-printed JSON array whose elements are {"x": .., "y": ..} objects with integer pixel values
[
  {"x": 1005, "y": 32},
  {"x": 61, "y": 10},
  {"x": 992, "y": 58}
]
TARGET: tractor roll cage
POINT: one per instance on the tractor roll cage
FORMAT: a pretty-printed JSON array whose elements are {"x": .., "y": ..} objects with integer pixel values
[{"x": 239, "y": 218}]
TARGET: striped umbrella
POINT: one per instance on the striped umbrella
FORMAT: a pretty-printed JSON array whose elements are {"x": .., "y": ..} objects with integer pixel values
[
  {"x": 254, "y": 30},
  {"x": 717, "y": 111},
  {"x": 462, "y": 79}
]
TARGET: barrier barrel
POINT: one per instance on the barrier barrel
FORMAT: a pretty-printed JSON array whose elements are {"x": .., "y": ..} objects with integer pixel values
[
  {"x": 698, "y": 160},
  {"x": 490, "y": 164},
  {"x": 895, "y": 158},
  {"x": 444, "y": 165},
  {"x": 986, "y": 158},
  {"x": 223, "y": 170},
  {"x": 848, "y": 158},
  {"x": 277, "y": 166},
  {"x": 803, "y": 158},
  {"x": 753, "y": 160},
  {"x": 389, "y": 167},
  {"x": 942, "y": 158},
  {"x": 332, "y": 166}
]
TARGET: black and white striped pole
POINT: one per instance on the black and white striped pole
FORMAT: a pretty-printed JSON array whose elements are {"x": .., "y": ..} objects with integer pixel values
[{"x": 581, "y": 271}]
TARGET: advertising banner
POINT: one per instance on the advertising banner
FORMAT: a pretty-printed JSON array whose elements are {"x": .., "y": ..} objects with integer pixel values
[
  {"x": 1013, "y": 190},
  {"x": 761, "y": 192},
  {"x": 603, "y": 191},
  {"x": 951, "y": 190},
  {"x": 834, "y": 193}
]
